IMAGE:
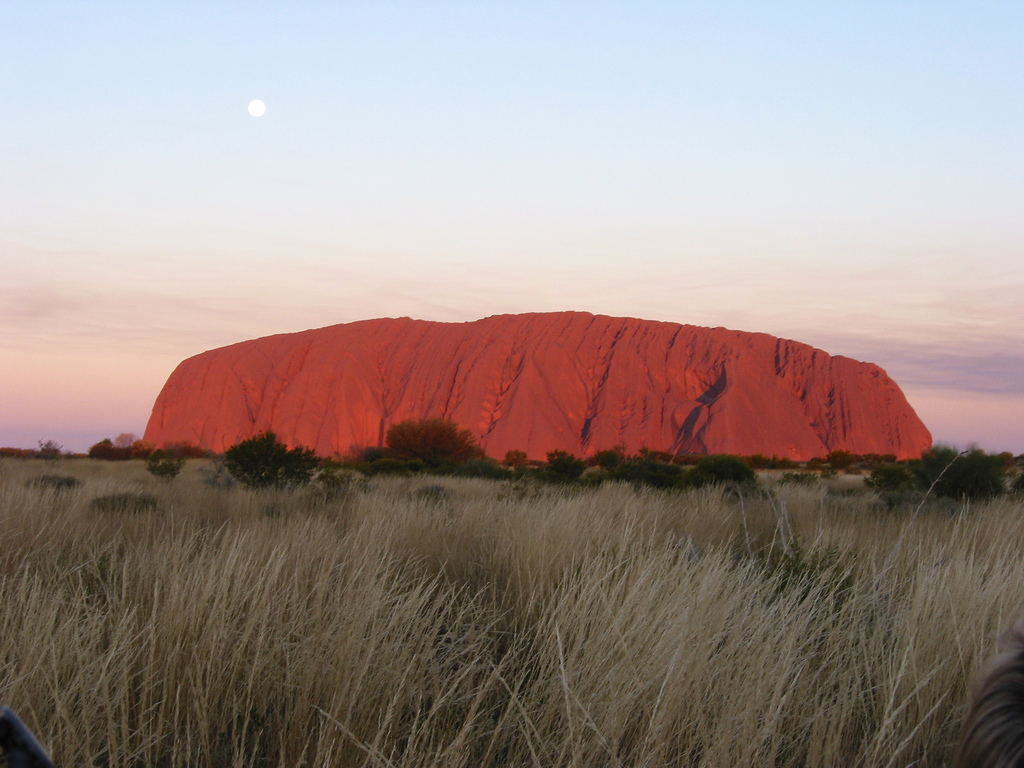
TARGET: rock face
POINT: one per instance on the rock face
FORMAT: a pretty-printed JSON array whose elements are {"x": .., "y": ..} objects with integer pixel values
[{"x": 540, "y": 382}]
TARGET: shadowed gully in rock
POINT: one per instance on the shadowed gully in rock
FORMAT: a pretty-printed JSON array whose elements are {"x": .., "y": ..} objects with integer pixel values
[{"x": 567, "y": 381}]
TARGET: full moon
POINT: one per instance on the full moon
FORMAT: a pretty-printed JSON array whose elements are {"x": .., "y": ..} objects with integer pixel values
[{"x": 257, "y": 108}]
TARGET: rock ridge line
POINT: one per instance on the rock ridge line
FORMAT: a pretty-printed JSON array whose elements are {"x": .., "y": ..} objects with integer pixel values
[{"x": 538, "y": 382}]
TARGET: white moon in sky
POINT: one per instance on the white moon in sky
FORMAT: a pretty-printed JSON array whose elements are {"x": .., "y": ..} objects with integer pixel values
[{"x": 257, "y": 108}]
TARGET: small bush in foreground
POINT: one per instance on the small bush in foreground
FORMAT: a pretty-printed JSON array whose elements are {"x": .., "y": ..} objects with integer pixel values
[
  {"x": 263, "y": 462},
  {"x": 129, "y": 502},
  {"x": 217, "y": 475},
  {"x": 55, "y": 482},
  {"x": 164, "y": 465},
  {"x": 798, "y": 568}
]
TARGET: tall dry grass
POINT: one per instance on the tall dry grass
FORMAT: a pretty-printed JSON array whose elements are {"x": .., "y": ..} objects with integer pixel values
[{"x": 492, "y": 624}]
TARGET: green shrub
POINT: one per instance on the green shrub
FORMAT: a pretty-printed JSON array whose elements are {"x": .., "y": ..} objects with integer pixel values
[
  {"x": 663, "y": 456},
  {"x": 388, "y": 466},
  {"x": 371, "y": 454},
  {"x": 975, "y": 476},
  {"x": 840, "y": 459},
  {"x": 262, "y": 462},
  {"x": 333, "y": 481},
  {"x": 932, "y": 464},
  {"x": 723, "y": 469},
  {"x": 972, "y": 475},
  {"x": 760, "y": 461},
  {"x": 609, "y": 459},
  {"x": 485, "y": 467},
  {"x": 164, "y": 465},
  {"x": 891, "y": 478},
  {"x": 687, "y": 459},
  {"x": 563, "y": 467},
  {"x": 800, "y": 569},
  {"x": 646, "y": 471}
]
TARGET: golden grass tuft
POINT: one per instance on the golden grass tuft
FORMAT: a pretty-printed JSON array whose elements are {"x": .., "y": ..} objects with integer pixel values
[{"x": 492, "y": 624}]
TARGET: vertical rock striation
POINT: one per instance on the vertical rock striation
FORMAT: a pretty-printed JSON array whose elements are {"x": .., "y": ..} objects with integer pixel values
[{"x": 539, "y": 382}]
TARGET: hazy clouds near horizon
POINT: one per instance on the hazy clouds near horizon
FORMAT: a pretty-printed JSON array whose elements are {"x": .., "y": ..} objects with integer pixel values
[{"x": 850, "y": 177}]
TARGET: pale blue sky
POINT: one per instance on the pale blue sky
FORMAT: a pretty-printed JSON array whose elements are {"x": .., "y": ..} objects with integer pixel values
[{"x": 846, "y": 174}]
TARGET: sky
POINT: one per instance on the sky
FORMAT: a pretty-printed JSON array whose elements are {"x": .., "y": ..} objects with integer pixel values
[{"x": 847, "y": 174}]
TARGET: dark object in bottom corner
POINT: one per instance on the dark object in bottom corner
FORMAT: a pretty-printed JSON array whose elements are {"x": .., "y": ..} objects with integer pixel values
[{"x": 20, "y": 748}]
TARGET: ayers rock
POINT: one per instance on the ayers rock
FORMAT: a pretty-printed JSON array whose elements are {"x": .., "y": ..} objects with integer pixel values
[{"x": 538, "y": 382}]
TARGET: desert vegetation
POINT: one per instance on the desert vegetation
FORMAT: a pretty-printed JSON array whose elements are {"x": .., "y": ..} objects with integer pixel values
[
  {"x": 264, "y": 462},
  {"x": 438, "y": 620}
]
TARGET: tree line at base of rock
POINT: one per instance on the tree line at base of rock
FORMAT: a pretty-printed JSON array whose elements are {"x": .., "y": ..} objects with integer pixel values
[{"x": 440, "y": 446}]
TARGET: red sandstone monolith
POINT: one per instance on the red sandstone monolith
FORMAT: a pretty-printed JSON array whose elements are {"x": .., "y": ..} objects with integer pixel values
[{"x": 539, "y": 382}]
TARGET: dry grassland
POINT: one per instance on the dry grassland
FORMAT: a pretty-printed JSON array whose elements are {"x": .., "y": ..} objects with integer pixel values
[{"x": 492, "y": 624}]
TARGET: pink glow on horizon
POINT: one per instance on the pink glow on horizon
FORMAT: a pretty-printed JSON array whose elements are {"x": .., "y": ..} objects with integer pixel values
[
  {"x": 961, "y": 419},
  {"x": 80, "y": 397},
  {"x": 848, "y": 176}
]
